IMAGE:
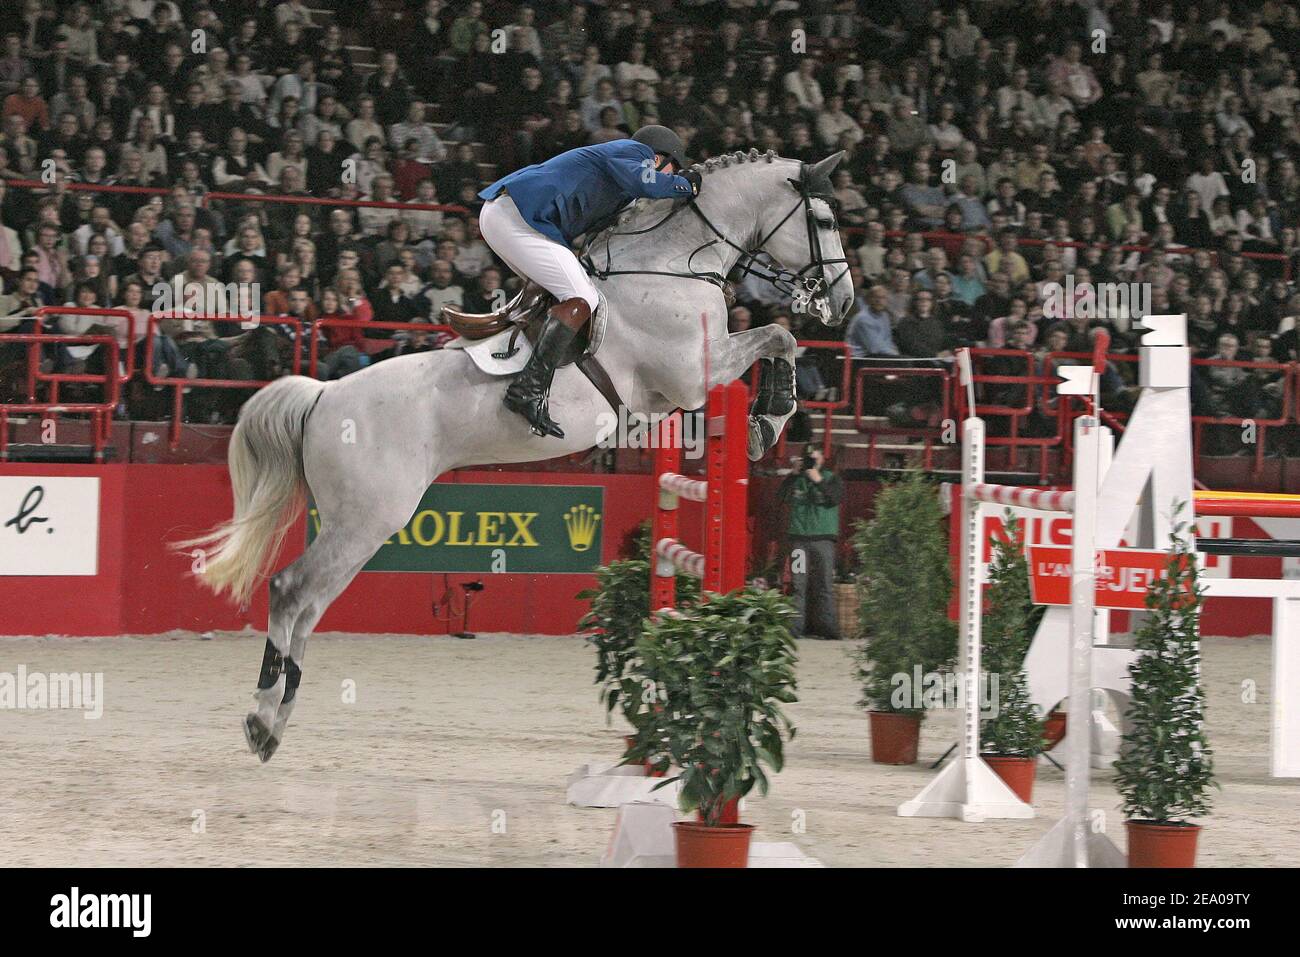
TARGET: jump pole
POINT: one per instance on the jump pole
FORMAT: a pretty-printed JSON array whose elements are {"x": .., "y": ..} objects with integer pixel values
[{"x": 724, "y": 492}]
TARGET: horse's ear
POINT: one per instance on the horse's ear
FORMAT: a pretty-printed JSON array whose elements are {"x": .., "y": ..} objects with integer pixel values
[{"x": 827, "y": 166}]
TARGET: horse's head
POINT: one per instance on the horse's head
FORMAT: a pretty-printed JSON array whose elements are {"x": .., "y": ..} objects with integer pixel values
[{"x": 806, "y": 242}]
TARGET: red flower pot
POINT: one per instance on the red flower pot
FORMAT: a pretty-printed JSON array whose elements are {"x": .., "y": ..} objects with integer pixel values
[
  {"x": 894, "y": 737},
  {"x": 730, "y": 813},
  {"x": 1053, "y": 729},
  {"x": 1017, "y": 771},
  {"x": 699, "y": 845},
  {"x": 630, "y": 741},
  {"x": 1161, "y": 845}
]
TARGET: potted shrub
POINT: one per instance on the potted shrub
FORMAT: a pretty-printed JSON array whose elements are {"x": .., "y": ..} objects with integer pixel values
[
  {"x": 1166, "y": 766},
  {"x": 722, "y": 670},
  {"x": 620, "y": 605},
  {"x": 1012, "y": 739},
  {"x": 904, "y": 589}
]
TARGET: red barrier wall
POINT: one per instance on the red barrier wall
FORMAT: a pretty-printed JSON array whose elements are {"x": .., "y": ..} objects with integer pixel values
[{"x": 143, "y": 587}]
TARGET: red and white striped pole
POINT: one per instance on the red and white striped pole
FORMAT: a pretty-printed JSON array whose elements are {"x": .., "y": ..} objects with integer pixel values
[{"x": 663, "y": 524}]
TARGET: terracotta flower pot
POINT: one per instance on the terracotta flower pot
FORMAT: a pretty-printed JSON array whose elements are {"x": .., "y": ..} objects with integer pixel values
[
  {"x": 730, "y": 813},
  {"x": 1161, "y": 845},
  {"x": 699, "y": 845},
  {"x": 1017, "y": 771},
  {"x": 1053, "y": 729},
  {"x": 630, "y": 741},
  {"x": 894, "y": 737}
]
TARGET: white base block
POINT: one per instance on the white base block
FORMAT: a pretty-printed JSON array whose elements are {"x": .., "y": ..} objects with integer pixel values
[
  {"x": 1054, "y": 850},
  {"x": 643, "y": 837},
  {"x": 601, "y": 784},
  {"x": 948, "y": 796}
]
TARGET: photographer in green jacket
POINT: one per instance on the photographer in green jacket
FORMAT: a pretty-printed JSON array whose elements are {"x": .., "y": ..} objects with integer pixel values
[{"x": 813, "y": 493}]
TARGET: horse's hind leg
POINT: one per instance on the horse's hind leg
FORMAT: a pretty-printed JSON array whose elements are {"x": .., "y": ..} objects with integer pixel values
[{"x": 300, "y": 594}]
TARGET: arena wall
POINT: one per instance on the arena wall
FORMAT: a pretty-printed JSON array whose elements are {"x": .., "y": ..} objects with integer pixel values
[{"x": 141, "y": 586}]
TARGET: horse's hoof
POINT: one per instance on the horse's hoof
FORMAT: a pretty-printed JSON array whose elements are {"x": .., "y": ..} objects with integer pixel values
[
  {"x": 762, "y": 436},
  {"x": 268, "y": 749},
  {"x": 259, "y": 738}
]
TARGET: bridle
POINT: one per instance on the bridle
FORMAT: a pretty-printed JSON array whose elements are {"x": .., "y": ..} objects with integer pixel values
[{"x": 808, "y": 287}]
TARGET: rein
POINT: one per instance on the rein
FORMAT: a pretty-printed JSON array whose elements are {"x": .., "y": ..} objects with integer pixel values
[{"x": 801, "y": 287}]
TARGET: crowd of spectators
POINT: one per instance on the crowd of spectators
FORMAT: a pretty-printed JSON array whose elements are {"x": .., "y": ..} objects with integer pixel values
[{"x": 992, "y": 149}]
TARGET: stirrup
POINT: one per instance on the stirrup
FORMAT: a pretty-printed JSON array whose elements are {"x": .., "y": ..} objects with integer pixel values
[{"x": 511, "y": 348}]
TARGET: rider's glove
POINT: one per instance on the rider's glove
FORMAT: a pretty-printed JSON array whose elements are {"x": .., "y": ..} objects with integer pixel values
[{"x": 692, "y": 177}]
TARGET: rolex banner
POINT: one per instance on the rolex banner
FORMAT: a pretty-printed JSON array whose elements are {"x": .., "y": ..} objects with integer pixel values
[{"x": 501, "y": 529}]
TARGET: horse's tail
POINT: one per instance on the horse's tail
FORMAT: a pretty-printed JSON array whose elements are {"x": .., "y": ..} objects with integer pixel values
[{"x": 266, "y": 475}]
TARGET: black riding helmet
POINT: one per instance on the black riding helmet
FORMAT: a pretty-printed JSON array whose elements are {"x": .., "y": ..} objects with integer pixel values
[{"x": 663, "y": 140}]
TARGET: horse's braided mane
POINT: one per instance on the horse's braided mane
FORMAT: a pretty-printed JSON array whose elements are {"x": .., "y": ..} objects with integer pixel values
[
  {"x": 715, "y": 163},
  {"x": 633, "y": 213}
]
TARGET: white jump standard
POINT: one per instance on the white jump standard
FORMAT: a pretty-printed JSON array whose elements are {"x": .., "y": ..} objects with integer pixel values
[
  {"x": 1151, "y": 471},
  {"x": 968, "y": 788}
]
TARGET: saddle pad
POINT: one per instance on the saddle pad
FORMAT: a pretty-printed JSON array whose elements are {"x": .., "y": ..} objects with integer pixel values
[{"x": 482, "y": 350}]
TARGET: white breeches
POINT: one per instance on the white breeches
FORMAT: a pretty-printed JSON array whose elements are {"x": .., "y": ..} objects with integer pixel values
[{"x": 530, "y": 254}]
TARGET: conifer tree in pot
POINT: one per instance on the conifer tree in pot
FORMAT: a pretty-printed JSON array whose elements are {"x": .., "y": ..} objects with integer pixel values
[
  {"x": 1165, "y": 767},
  {"x": 722, "y": 670},
  {"x": 905, "y": 586},
  {"x": 620, "y": 607},
  {"x": 1012, "y": 739}
]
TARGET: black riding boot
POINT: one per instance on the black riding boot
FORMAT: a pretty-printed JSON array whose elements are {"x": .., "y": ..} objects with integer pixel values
[{"x": 528, "y": 393}]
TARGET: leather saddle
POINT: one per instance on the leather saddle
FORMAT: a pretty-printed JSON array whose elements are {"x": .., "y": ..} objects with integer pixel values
[{"x": 525, "y": 313}]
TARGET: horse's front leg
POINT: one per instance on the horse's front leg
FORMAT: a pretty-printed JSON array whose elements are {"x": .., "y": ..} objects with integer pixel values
[{"x": 733, "y": 356}]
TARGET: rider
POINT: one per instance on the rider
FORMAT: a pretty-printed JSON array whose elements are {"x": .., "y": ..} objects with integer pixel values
[{"x": 532, "y": 216}]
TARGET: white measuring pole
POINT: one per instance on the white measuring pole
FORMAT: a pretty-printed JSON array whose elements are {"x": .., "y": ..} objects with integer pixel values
[
  {"x": 1088, "y": 433},
  {"x": 968, "y": 788},
  {"x": 969, "y": 630}
]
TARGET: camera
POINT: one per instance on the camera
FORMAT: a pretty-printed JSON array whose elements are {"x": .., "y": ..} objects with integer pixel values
[{"x": 809, "y": 462}]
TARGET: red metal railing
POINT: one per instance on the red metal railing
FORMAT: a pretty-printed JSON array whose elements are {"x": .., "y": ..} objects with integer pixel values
[
  {"x": 1286, "y": 376},
  {"x": 828, "y": 407},
  {"x": 180, "y": 384},
  {"x": 117, "y": 314},
  {"x": 363, "y": 325},
  {"x": 204, "y": 198},
  {"x": 101, "y": 413},
  {"x": 931, "y": 435},
  {"x": 954, "y": 240},
  {"x": 1058, "y": 411}
]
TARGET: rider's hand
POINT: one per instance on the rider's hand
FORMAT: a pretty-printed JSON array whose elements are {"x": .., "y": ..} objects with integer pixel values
[{"x": 692, "y": 177}]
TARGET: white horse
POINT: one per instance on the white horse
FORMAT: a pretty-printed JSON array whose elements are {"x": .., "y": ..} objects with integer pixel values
[{"x": 368, "y": 446}]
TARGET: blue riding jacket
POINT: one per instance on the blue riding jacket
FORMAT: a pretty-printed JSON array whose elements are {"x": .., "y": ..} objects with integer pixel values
[{"x": 568, "y": 194}]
